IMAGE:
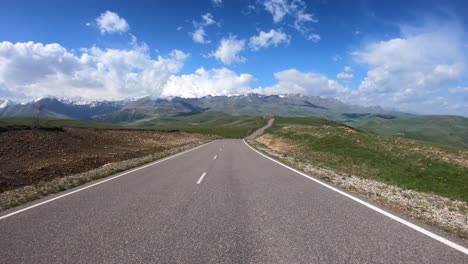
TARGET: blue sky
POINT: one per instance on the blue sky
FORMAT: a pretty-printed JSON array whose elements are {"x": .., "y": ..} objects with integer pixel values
[{"x": 409, "y": 55}]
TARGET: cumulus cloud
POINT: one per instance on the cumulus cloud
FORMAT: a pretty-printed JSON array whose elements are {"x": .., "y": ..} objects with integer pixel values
[
  {"x": 297, "y": 10},
  {"x": 228, "y": 50},
  {"x": 346, "y": 74},
  {"x": 306, "y": 83},
  {"x": 198, "y": 35},
  {"x": 36, "y": 69},
  {"x": 277, "y": 8},
  {"x": 208, "y": 19},
  {"x": 270, "y": 38},
  {"x": 208, "y": 82},
  {"x": 408, "y": 72},
  {"x": 110, "y": 22}
]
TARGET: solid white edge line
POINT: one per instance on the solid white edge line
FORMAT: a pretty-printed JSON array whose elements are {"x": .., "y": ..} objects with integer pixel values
[
  {"x": 102, "y": 181},
  {"x": 201, "y": 178},
  {"x": 394, "y": 217}
]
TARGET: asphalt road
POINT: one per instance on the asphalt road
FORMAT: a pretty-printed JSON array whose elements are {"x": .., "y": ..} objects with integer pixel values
[
  {"x": 260, "y": 131},
  {"x": 245, "y": 209}
]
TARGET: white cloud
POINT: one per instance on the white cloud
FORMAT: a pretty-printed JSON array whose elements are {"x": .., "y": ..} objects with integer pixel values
[
  {"x": 228, "y": 50},
  {"x": 346, "y": 74},
  {"x": 411, "y": 71},
  {"x": 217, "y": 3},
  {"x": 198, "y": 35},
  {"x": 277, "y": 8},
  {"x": 266, "y": 39},
  {"x": 424, "y": 61},
  {"x": 110, "y": 22},
  {"x": 314, "y": 37},
  {"x": 179, "y": 28},
  {"x": 306, "y": 83},
  {"x": 35, "y": 70},
  {"x": 296, "y": 9},
  {"x": 208, "y": 19},
  {"x": 208, "y": 82}
]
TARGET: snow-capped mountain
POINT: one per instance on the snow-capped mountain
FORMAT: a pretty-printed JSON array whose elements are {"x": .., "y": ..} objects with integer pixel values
[
  {"x": 146, "y": 107},
  {"x": 60, "y": 107},
  {"x": 5, "y": 103}
]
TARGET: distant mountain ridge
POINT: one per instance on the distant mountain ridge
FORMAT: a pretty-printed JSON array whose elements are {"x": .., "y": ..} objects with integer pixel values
[
  {"x": 147, "y": 108},
  {"x": 56, "y": 107}
]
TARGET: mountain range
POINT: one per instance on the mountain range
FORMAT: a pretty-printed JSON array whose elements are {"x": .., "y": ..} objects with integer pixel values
[
  {"x": 146, "y": 108},
  {"x": 179, "y": 112}
]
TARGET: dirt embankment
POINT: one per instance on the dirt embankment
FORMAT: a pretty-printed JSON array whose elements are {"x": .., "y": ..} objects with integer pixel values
[{"x": 31, "y": 156}]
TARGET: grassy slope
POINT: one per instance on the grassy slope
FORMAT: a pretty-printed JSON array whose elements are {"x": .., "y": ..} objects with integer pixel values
[
  {"x": 217, "y": 123},
  {"x": 450, "y": 130},
  {"x": 406, "y": 163},
  {"x": 51, "y": 122},
  {"x": 221, "y": 124}
]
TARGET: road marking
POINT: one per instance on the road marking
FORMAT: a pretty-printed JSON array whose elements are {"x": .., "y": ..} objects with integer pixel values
[
  {"x": 381, "y": 211},
  {"x": 215, "y": 156},
  {"x": 220, "y": 149},
  {"x": 201, "y": 178},
  {"x": 100, "y": 182}
]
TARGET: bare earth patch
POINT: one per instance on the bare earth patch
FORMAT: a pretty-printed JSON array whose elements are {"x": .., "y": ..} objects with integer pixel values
[
  {"x": 449, "y": 215},
  {"x": 34, "y": 163},
  {"x": 277, "y": 144}
]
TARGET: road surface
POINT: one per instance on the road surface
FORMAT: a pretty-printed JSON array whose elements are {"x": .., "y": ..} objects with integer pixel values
[
  {"x": 260, "y": 131},
  {"x": 220, "y": 203}
]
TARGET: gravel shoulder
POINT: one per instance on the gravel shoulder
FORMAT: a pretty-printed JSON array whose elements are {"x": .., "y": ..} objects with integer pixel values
[{"x": 446, "y": 214}]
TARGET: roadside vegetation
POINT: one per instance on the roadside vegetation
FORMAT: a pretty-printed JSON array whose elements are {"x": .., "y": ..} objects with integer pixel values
[
  {"x": 420, "y": 179},
  {"x": 410, "y": 164}
]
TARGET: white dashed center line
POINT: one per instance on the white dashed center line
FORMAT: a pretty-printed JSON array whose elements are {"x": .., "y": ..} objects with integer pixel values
[
  {"x": 215, "y": 156},
  {"x": 201, "y": 178}
]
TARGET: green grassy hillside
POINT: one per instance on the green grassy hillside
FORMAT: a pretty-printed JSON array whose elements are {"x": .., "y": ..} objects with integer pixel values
[
  {"x": 450, "y": 130},
  {"x": 217, "y": 123},
  {"x": 410, "y": 164}
]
